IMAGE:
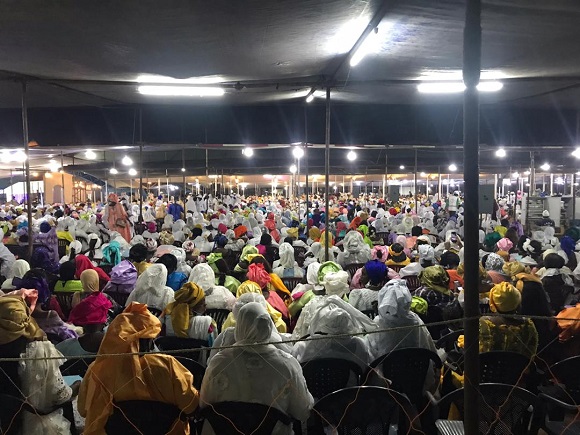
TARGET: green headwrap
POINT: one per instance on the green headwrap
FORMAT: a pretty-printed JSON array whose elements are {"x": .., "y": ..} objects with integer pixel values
[{"x": 435, "y": 277}]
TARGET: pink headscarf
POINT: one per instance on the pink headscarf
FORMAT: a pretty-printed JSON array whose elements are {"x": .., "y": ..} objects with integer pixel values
[
  {"x": 505, "y": 244},
  {"x": 258, "y": 274},
  {"x": 384, "y": 251}
]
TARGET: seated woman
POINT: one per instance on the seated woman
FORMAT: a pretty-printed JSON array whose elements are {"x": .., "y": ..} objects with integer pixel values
[
  {"x": 151, "y": 289},
  {"x": 355, "y": 249},
  {"x": 90, "y": 283},
  {"x": 493, "y": 263},
  {"x": 435, "y": 286},
  {"x": 217, "y": 297},
  {"x": 288, "y": 268},
  {"x": 67, "y": 281},
  {"x": 252, "y": 287},
  {"x": 175, "y": 279},
  {"x": 395, "y": 312},
  {"x": 507, "y": 333},
  {"x": 154, "y": 377},
  {"x": 258, "y": 274},
  {"x": 37, "y": 377},
  {"x": 19, "y": 269},
  {"x": 227, "y": 336},
  {"x": 83, "y": 263},
  {"x": 557, "y": 285},
  {"x": 332, "y": 319},
  {"x": 185, "y": 317},
  {"x": 270, "y": 376},
  {"x": 91, "y": 315},
  {"x": 450, "y": 262},
  {"x": 265, "y": 243},
  {"x": 372, "y": 276},
  {"x": 138, "y": 256},
  {"x": 426, "y": 258},
  {"x": 397, "y": 256}
]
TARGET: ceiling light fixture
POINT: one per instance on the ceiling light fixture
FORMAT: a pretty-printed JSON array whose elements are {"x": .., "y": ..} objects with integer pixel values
[
  {"x": 545, "y": 167},
  {"x": 209, "y": 80},
  {"x": 310, "y": 95},
  {"x": 500, "y": 153},
  {"x": 181, "y": 91},
  {"x": 248, "y": 152},
  {"x": 298, "y": 153},
  {"x": 456, "y": 87},
  {"x": 369, "y": 45},
  {"x": 132, "y": 172},
  {"x": 576, "y": 153},
  {"x": 453, "y": 167},
  {"x": 293, "y": 169},
  {"x": 90, "y": 154},
  {"x": 351, "y": 156},
  {"x": 402, "y": 167},
  {"x": 127, "y": 161},
  {"x": 113, "y": 171},
  {"x": 182, "y": 169}
]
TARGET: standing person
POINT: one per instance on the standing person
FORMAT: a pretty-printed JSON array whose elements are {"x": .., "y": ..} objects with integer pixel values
[
  {"x": 116, "y": 217},
  {"x": 176, "y": 210},
  {"x": 453, "y": 204}
]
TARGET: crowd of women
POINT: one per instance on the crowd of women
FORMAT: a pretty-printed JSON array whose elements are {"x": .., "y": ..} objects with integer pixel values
[{"x": 298, "y": 285}]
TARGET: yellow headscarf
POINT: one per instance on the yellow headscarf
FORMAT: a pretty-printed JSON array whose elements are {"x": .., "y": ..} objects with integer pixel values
[
  {"x": 323, "y": 242},
  {"x": 292, "y": 232},
  {"x": 504, "y": 298},
  {"x": 514, "y": 268},
  {"x": 90, "y": 280},
  {"x": 252, "y": 287},
  {"x": 521, "y": 278},
  {"x": 503, "y": 254},
  {"x": 186, "y": 298},
  {"x": 314, "y": 234},
  {"x": 15, "y": 320}
]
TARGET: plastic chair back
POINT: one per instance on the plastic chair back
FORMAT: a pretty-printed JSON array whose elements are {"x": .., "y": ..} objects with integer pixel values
[
  {"x": 352, "y": 268},
  {"x": 327, "y": 375},
  {"x": 366, "y": 410},
  {"x": 407, "y": 369},
  {"x": 291, "y": 283},
  {"x": 567, "y": 372},
  {"x": 182, "y": 344},
  {"x": 413, "y": 282},
  {"x": 65, "y": 301},
  {"x": 219, "y": 316},
  {"x": 76, "y": 367},
  {"x": 503, "y": 409},
  {"x": 195, "y": 368},
  {"x": 501, "y": 367},
  {"x": 243, "y": 418},
  {"x": 120, "y": 298},
  {"x": 143, "y": 417}
]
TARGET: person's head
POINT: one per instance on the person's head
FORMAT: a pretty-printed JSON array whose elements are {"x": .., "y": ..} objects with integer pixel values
[
  {"x": 259, "y": 259},
  {"x": 196, "y": 232},
  {"x": 16, "y": 321},
  {"x": 449, "y": 260},
  {"x": 435, "y": 278},
  {"x": 426, "y": 255},
  {"x": 493, "y": 262},
  {"x": 504, "y": 298},
  {"x": 203, "y": 275},
  {"x": 152, "y": 279},
  {"x": 266, "y": 240},
  {"x": 554, "y": 261},
  {"x": 335, "y": 283},
  {"x": 394, "y": 299},
  {"x": 220, "y": 241},
  {"x": 376, "y": 271},
  {"x": 19, "y": 268},
  {"x": 258, "y": 274},
  {"x": 91, "y": 312},
  {"x": 534, "y": 299},
  {"x": 35, "y": 279},
  {"x": 253, "y": 324},
  {"x": 169, "y": 261},
  {"x": 113, "y": 199},
  {"x": 331, "y": 319},
  {"x": 90, "y": 280},
  {"x": 67, "y": 271},
  {"x": 138, "y": 253},
  {"x": 245, "y": 299},
  {"x": 397, "y": 253}
]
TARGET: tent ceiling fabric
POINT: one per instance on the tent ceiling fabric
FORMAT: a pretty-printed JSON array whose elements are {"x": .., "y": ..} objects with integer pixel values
[{"x": 289, "y": 43}]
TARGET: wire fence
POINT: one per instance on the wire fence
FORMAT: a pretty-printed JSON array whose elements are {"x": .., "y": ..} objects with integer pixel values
[{"x": 422, "y": 414}]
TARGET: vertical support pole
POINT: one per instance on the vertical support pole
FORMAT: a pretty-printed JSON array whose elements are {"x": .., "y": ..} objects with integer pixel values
[
  {"x": 140, "y": 189},
  {"x": 573, "y": 198},
  {"x": 62, "y": 177},
  {"x": 326, "y": 174},
  {"x": 439, "y": 187},
  {"x": 415, "y": 183},
  {"x": 532, "y": 175},
  {"x": 551, "y": 184},
  {"x": 471, "y": 75},
  {"x": 386, "y": 178},
  {"x": 27, "y": 168}
]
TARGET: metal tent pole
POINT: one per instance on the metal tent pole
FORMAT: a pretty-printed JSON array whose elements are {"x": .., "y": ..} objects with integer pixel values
[
  {"x": 326, "y": 175},
  {"x": 140, "y": 219},
  {"x": 415, "y": 182},
  {"x": 471, "y": 75},
  {"x": 27, "y": 168}
]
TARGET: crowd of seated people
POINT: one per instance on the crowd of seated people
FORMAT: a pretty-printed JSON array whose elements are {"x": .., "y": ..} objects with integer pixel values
[{"x": 250, "y": 282}]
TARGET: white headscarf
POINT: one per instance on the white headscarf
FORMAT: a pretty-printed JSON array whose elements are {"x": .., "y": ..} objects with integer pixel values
[
  {"x": 152, "y": 280},
  {"x": 336, "y": 283},
  {"x": 286, "y": 252},
  {"x": 394, "y": 299},
  {"x": 253, "y": 324},
  {"x": 331, "y": 319},
  {"x": 203, "y": 275}
]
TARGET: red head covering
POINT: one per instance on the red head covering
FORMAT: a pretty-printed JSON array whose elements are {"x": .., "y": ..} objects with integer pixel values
[
  {"x": 355, "y": 223},
  {"x": 270, "y": 224},
  {"x": 240, "y": 231},
  {"x": 258, "y": 274},
  {"x": 222, "y": 228},
  {"x": 83, "y": 263},
  {"x": 92, "y": 310}
]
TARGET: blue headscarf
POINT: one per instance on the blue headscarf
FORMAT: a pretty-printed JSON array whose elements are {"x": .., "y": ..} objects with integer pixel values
[
  {"x": 112, "y": 253},
  {"x": 376, "y": 271}
]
